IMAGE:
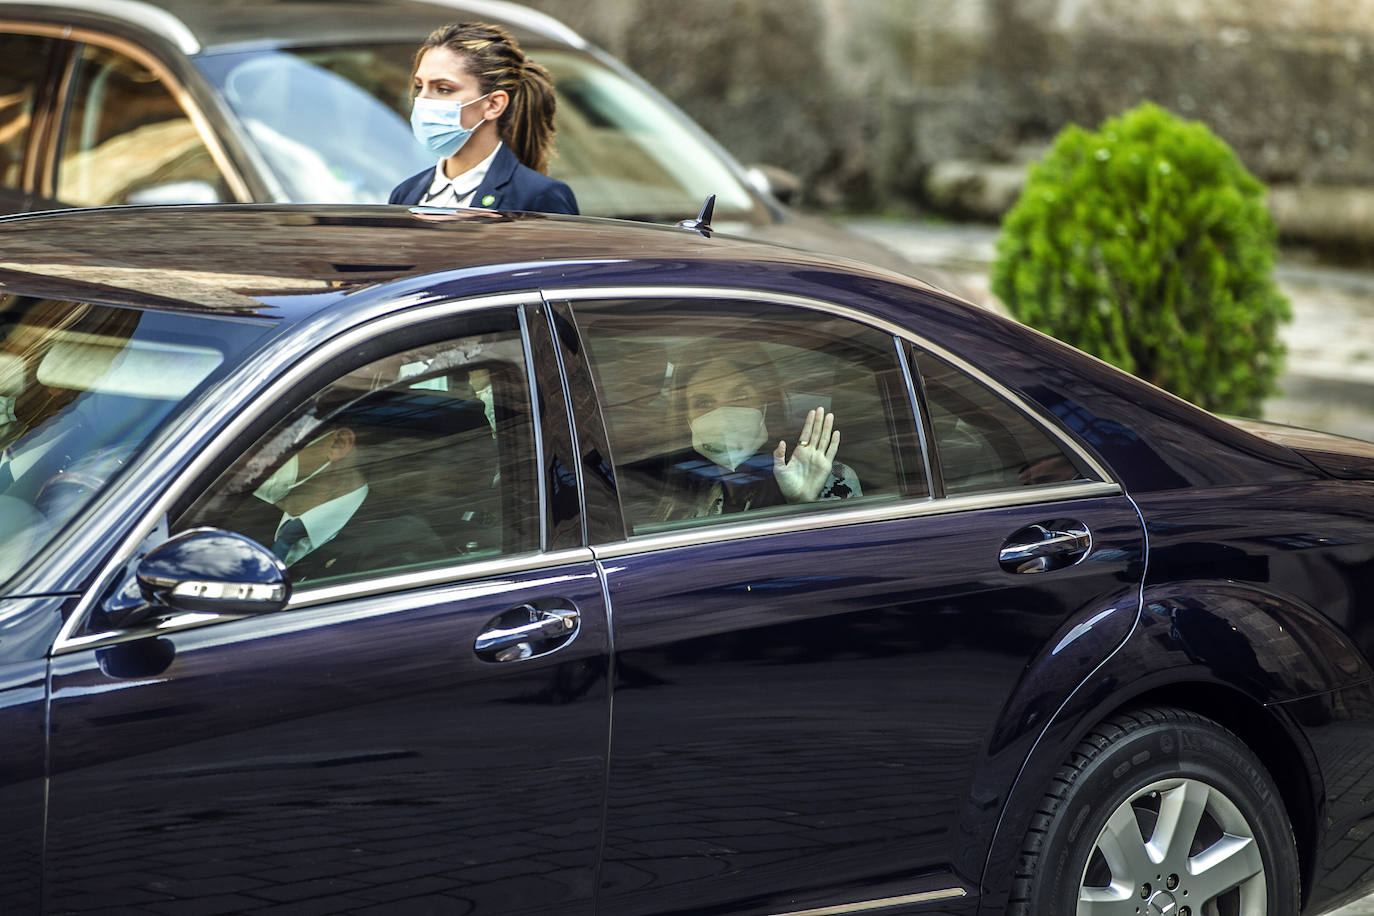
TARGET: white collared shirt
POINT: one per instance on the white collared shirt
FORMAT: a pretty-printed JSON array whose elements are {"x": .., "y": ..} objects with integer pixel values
[
  {"x": 323, "y": 522},
  {"x": 458, "y": 190}
]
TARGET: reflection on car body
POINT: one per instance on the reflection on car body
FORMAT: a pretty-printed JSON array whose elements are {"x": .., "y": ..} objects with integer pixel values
[{"x": 496, "y": 677}]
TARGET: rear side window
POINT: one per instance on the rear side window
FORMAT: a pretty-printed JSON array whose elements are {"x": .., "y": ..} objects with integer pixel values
[
  {"x": 983, "y": 441},
  {"x": 721, "y": 410}
]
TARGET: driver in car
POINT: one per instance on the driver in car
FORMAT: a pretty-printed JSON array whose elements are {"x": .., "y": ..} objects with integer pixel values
[{"x": 322, "y": 516}]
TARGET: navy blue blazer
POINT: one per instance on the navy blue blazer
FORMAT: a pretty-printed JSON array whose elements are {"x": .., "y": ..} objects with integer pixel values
[{"x": 508, "y": 186}]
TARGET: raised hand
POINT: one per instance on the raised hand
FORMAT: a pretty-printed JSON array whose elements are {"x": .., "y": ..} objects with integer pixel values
[{"x": 802, "y": 478}]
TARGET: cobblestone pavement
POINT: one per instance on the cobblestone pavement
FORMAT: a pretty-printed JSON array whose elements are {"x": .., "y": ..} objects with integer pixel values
[{"x": 1328, "y": 381}]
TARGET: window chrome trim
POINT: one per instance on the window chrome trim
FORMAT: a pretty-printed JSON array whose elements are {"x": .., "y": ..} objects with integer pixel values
[
  {"x": 1051, "y": 427},
  {"x": 164, "y": 461},
  {"x": 445, "y": 575},
  {"x": 886, "y": 511},
  {"x": 454, "y": 575},
  {"x": 868, "y": 906}
]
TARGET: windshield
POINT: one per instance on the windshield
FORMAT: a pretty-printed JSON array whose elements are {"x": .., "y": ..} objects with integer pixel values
[
  {"x": 333, "y": 124},
  {"x": 82, "y": 388},
  {"x": 326, "y": 122}
]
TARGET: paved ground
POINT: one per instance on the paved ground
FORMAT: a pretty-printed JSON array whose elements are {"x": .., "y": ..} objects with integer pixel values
[{"x": 1329, "y": 378}]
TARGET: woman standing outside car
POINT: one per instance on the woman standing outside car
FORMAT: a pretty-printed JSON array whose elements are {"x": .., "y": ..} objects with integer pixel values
[{"x": 486, "y": 110}]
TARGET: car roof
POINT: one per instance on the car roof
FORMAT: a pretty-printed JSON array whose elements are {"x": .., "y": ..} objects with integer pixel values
[
  {"x": 196, "y": 26},
  {"x": 284, "y": 261}
]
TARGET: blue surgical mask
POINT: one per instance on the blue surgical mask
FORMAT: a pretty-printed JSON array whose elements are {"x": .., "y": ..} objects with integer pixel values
[{"x": 438, "y": 125}]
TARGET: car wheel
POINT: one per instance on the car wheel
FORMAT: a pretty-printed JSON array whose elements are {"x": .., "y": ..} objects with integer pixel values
[{"x": 1159, "y": 811}]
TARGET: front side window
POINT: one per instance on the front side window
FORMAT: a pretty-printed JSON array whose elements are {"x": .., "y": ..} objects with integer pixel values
[
  {"x": 83, "y": 388},
  {"x": 127, "y": 140},
  {"x": 24, "y": 63},
  {"x": 423, "y": 458},
  {"x": 724, "y": 410},
  {"x": 984, "y": 442}
]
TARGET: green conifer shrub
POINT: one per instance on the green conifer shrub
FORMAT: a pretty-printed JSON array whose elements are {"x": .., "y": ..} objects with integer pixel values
[{"x": 1149, "y": 245}]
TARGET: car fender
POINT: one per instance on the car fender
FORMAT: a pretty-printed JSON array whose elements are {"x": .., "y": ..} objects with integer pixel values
[{"x": 1194, "y": 642}]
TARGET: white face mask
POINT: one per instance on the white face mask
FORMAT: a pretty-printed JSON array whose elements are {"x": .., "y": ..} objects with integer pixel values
[
  {"x": 729, "y": 435},
  {"x": 283, "y": 479}
]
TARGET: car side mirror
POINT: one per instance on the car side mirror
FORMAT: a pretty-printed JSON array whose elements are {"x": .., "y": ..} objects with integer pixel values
[{"x": 206, "y": 571}]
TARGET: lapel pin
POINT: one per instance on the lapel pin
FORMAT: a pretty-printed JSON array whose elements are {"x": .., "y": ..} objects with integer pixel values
[{"x": 488, "y": 200}]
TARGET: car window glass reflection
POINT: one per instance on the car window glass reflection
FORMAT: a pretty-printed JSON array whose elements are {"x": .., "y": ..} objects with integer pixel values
[
  {"x": 719, "y": 409},
  {"x": 984, "y": 442},
  {"x": 82, "y": 389},
  {"x": 126, "y": 140},
  {"x": 422, "y": 458},
  {"x": 326, "y": 118},
  {"x": 26, "y": 60}
]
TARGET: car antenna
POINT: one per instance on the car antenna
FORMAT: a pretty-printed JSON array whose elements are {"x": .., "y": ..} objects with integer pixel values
[{"x": 702, "y": 223}]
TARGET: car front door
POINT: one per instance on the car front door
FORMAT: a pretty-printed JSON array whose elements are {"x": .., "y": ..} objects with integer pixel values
[
  {"x": 399, "y": 738},
  {"x": 818, "y": 696}
]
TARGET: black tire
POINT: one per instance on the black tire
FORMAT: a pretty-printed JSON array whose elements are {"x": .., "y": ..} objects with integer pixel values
[{"x": 1121, "y": 777}]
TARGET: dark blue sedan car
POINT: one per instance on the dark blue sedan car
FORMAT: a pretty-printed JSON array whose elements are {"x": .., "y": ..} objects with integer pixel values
[{"x": 363, "y": 560}]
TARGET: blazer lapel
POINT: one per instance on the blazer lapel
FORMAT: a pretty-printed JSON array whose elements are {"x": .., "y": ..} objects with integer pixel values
[{"x": 489, "y": 193}]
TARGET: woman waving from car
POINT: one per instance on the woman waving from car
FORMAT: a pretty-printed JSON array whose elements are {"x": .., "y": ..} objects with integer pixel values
[{"x": 486, "y": 110}]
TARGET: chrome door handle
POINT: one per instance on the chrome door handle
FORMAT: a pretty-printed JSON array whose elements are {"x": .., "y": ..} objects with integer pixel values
[
  {"x": 1044, "y": 547},
  {"x": 508, "y": 640}
]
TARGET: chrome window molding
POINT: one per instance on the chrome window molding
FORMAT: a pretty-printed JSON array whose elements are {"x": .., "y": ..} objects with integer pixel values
[
  {"x": 458, "y": 577},
  {"x": 160, "y": 460},
  {"x": 888, "y": 510},
  {"x": 183, "y": 98},
  {"x": 1051, "y": 427},
  {"x": 445, "y": 575}
]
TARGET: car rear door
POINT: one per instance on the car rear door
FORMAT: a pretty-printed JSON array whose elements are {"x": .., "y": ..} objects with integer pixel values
[
  {"x": 822, "y": 705},
  {"x": 390, "y": 741}
]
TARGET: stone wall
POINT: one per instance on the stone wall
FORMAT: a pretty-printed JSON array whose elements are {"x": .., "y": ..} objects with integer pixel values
[{"x": 892, "y": 104}]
